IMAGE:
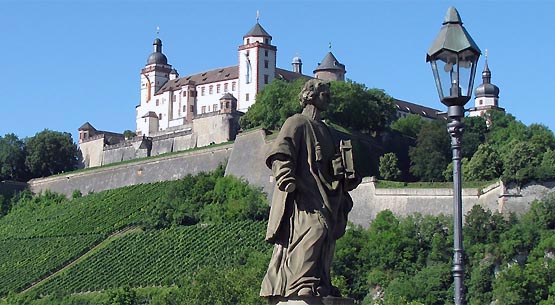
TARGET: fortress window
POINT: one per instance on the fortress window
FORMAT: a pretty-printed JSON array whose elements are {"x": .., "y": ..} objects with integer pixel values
[
  {"x": 267, "y": 41},
  {"x": 157, "y": 102},
  {"x": 246, "y": 97},
  {"x": 233, "y": 86},
  {"x": 266, "y": 77},
  {"x": 202, "y": 91},
  {"x": 203, "y": 109},
  {"x": 192, "y": 108},
  {"x": 218, "y": 88},
  {"x": 184, "y": 93},
  {"x": 210, "y": 89},
  {"x": 215, "y": 107},
  {"x": 225, "y": 87},
  {"x": 266, "y": 53},
  {"x": 159, "y": 116},
  {"x": 184, "y": 108},
  {"x": 266, "y": 64}
]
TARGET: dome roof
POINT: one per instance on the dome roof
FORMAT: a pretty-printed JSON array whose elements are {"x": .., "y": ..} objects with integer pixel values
[
  {"x": 297, "y": 60},
  {"x": 486, "y": 90},
  {"x": 157, "y": 58}
]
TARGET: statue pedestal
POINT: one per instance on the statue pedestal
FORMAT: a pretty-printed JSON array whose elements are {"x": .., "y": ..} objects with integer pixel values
[{"x": 311, "y": 301}]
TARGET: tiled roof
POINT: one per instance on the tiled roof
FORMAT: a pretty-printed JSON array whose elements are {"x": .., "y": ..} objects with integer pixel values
[
  {"x": 216, "y": 75},
  {"x": 330, "y": 63},
  {"x": 257, "y": 31},
  {"x": 289, "y": 75},
  {"x": 87, "y": 126},
  {"x": 424, "y": 111}
]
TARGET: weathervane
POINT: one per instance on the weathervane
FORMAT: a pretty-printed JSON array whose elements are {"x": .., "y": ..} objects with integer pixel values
[
  {"x": 257, "y": 15},
  {"x": 157, "y": 31},
  {"x": 329, "y": 45}
]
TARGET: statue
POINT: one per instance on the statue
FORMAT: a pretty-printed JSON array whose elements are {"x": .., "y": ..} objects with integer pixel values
[{"x": 313, "y": 172}]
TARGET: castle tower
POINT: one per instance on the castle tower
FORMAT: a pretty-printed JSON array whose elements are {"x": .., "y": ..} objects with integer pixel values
[
  {"x": 153, "y": 76},
  {"x": 330, "y": 69},
  {"x": 257, "y": 65},
  {"x": 297, "y": 65},
  {"x": 486, "y": 95}
]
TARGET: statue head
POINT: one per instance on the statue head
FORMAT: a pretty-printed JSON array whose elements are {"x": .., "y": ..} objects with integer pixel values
[{"x": 315, "y": 92}]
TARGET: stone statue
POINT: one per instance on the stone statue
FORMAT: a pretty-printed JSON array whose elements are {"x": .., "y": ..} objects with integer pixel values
[{"x": 313, "y": 172}]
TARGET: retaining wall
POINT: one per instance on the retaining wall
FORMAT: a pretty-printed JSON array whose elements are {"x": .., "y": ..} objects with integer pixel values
[
  {"x": 145, "y": 171},
  {"x": 246, "y": 160}
]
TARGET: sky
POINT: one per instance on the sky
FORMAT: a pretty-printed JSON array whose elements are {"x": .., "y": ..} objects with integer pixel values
[{"x": 67, "y": 62}]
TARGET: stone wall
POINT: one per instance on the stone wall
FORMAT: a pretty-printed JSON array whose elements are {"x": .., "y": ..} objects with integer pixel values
[
  {"x": 163, "y": 168},
  {"x": 246, "y": 160},
  {"x": 91, "y": 152},
  {"x": 369, "y": 200},
  {"x": 214, "y": 128}
]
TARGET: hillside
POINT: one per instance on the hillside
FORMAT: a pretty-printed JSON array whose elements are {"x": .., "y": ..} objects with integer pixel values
[{"x": 51, "y": 245}]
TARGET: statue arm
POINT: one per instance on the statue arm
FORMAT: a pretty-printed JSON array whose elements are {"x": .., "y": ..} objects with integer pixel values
[{"x": 283, "y": 156}]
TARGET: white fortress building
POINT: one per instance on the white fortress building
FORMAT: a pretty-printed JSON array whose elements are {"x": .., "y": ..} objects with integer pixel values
[{"x": 178, "y": 113}]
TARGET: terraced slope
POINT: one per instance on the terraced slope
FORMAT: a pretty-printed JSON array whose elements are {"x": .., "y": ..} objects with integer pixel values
[{"x": 160, "y": 257}]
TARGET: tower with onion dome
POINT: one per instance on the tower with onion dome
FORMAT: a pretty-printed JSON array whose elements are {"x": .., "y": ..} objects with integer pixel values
[{"x": 486, "y": 95}]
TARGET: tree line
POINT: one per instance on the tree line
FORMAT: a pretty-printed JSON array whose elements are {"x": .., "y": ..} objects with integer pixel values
[
  {"x": 495, "y": 145},
  {"x": 46, "y": 153}
]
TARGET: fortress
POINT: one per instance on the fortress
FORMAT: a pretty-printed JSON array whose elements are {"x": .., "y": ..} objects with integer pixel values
[{"x": 178, "y": 113}]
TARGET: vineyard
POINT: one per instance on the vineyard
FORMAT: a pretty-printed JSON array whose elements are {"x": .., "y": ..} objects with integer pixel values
[
  {"x": 100, "y": 213},
  {"x": 43, "y": 234},
  {"x": 37, "y": 238},
  {"x": 25, "y": 260},
  {"x": 161, "y": 257}
]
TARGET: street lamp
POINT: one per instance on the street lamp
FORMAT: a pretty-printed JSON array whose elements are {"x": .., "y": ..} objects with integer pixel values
[{"x": 453, "y": 57}]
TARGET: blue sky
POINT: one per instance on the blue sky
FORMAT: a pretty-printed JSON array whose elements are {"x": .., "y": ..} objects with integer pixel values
[{"x": 67, "y": 62}]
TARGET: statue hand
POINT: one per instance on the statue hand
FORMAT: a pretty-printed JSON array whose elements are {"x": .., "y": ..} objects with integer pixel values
[{"x": 290, "y": 187}]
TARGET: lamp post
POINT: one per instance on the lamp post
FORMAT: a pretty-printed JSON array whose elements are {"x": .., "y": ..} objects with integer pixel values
[{"x": 453, "y": 57}]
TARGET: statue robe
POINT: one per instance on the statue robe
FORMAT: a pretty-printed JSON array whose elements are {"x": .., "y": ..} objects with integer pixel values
[{"x": 305, "y": 223}]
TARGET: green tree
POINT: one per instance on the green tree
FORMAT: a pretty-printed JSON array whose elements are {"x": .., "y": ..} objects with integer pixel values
[
  {"x": 475, "y": 130},
  {"x": 122, "y": 296},
  {"x": 274, "y": 104},
  {"x": 129, "y": 134},
  {"x": 547, "y": 167},
  {"x": 50, "y": 152},
  {"x": 12, "y": 158},
  {"x": 409, "y": 125},
  {"x": 358, "y": 108},
  {"x": 430, "y": 156},
  {"x": 353, "y": 106},
  {"x": 238, "y": 285},
  {"x": 520, "y": 161},
  {"x": 389, "y": 169},
  {"x": 504, "y": 129},
  {"x": 540, "y": 135},
  {"x": 486, "y": 164}
]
